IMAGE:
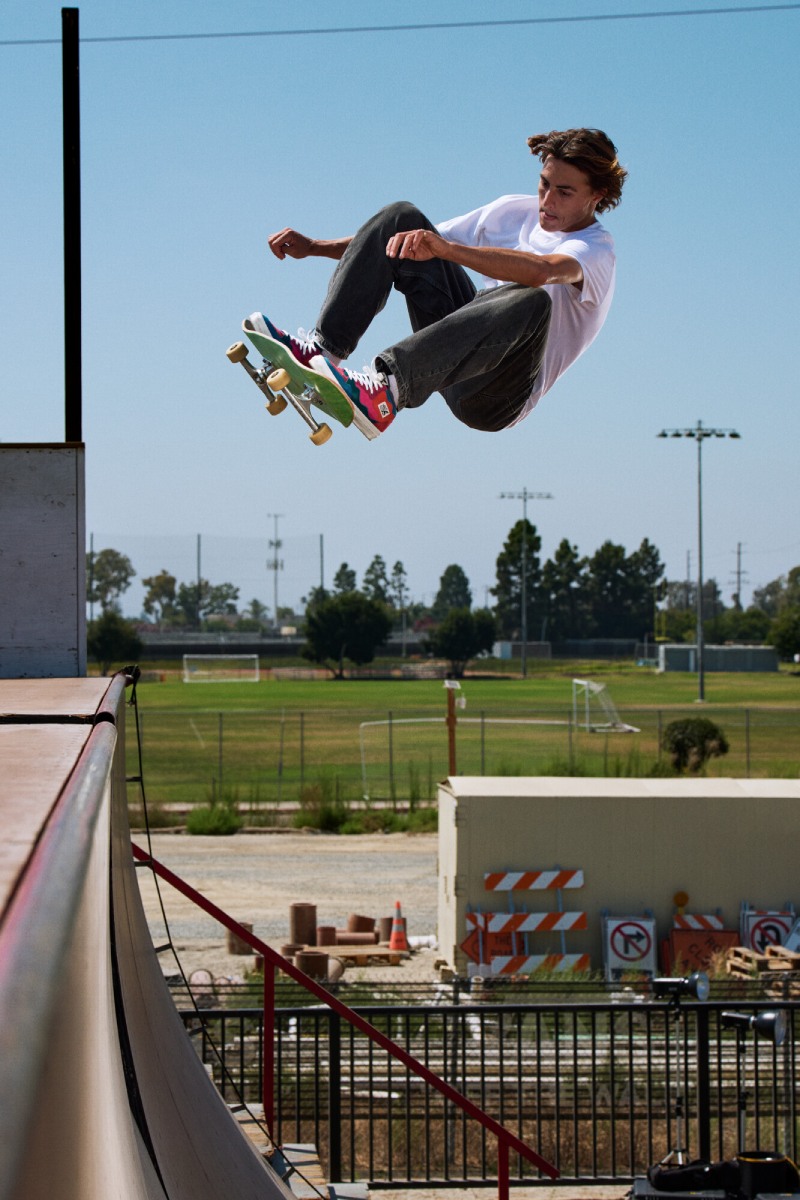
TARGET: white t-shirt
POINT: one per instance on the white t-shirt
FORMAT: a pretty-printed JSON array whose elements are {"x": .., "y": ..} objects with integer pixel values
[{"x": 512, "y": 223}]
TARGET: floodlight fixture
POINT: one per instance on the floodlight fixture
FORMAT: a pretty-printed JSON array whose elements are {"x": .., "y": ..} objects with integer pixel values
[
  {"x": 771, "y": 1025},
  {"x": 677, "y": 988}
]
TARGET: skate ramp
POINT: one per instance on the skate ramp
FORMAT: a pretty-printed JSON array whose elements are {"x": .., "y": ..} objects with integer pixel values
[{"x": 101, "y": 1093}]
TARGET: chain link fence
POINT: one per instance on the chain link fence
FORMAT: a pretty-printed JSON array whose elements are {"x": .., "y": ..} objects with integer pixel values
[{"x": 266, "y": 761}]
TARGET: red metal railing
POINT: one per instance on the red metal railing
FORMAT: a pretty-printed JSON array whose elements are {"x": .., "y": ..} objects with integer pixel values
[{"x": 506, "y": 1141}]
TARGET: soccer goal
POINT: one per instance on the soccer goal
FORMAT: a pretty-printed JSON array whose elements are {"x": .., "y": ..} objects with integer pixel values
[
  {"x": 220, "y": 668},
  {"x": 594, "y": 710}
]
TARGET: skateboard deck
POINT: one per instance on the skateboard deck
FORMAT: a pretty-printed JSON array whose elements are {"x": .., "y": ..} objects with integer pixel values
[{"x": 285, "y": 381}]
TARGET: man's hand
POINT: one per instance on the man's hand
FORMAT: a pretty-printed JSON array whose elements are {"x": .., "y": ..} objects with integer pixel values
[
  {"x": 289, "y": 244},
  {"x": 421, "y": 245},
  {"x": 509, "y": 266}
]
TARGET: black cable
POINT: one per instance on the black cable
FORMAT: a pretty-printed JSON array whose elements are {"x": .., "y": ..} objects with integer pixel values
[
  {"x": 199, "y": 1014},
  {"x": 416, "y": 27}
]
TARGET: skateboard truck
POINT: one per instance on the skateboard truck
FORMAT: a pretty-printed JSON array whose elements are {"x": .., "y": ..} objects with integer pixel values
[{"x": 275, "y": 386}]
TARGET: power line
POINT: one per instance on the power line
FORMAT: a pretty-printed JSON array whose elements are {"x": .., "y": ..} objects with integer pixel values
[{"x": 415, "y": 27}]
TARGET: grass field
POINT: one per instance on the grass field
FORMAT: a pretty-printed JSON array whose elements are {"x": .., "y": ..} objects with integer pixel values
[
  {"x": 269, "y": 745},
  {"x": 547, "y": 684}
]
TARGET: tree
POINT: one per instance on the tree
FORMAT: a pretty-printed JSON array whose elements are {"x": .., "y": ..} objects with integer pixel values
[
  {"x": 564, "y": 580},
  {"x": 108, "y": 575},
  {"x": 608, "y": 591},
  {"x": 743, "y": 625},
  {"x": 508, "y": 589},
  {"x": 254, "y": 617},
  {"x": 461, "y": 636},
  {"x": 197, "y": 601},
  {"x": 645, "y": 574},
  {"x": 454, "y": 592},
  {"x": 257, "y": 611},
  {"x": 780, "y": 593},
  {"x": 622, "y": 590},
  {"x": 398, "y": 587},
  {"x": 348, "y": 626},
  {"x": 376, "y": 582},
  {"x": 784, "y": 633},
  {"x": 111, "y": 639},
  {"x": 344, "y": 580},
  {"x": 159, "y": 600},
  {"x": 221, "y": 599}
]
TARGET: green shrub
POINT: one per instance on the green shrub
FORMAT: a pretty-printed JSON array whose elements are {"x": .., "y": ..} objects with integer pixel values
[
  {"x": 692, "y": 741},
  {"x": 218, "y": 816},
  {"x": 323, "y": 807}
]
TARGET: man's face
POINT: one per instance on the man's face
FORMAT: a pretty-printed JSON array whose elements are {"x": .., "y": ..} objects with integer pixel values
[{"x": 566, "y": 199}]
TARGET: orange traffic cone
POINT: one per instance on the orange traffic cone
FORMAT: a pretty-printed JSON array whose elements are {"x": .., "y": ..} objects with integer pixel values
[{"x": 398, "y": 941}]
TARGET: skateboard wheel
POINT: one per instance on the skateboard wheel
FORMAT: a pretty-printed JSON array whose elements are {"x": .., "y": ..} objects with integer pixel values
[
  {"x": 321, "y": 435},
  {"x": 278, "y": 379},
  {"x": 276, "y": 406},
  {"x": 237, "y": 352}
]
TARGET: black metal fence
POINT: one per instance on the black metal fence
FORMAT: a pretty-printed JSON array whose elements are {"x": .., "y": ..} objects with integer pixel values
[{"x": 601, "y": 1089}]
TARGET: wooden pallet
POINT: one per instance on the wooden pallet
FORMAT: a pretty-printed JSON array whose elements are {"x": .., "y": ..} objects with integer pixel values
[
  {"x": 361, "y": 955},
  {"x": 781, "y": 959},
  {"x": 743, "y": 963},
  {"x": 778, "y": 969}
]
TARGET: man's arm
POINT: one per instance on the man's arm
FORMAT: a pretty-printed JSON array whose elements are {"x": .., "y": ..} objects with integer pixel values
[
  {"x": 291, "y": 244},
  {"x": 511, "y": 266}
]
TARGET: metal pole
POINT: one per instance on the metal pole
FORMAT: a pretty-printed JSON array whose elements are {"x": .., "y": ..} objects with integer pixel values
[
  {"x": 701, "y": 677},
  {"x": 268, "y": 1049},
  {"x": 451, "y": 731},
  {"x": 703, "y": 1084},
  {"x": 71, "y": 119},
  {"x": 334, "y": 1097},
  {"x": 524, "y": 662},
  {"x": 700, "y": 432}
]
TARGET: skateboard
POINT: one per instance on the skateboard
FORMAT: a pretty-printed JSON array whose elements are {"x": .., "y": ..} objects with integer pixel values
[{"x": 284, "y": 381}]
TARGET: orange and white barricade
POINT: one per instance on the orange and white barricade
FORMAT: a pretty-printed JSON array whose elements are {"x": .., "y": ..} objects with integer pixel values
[{"x": 497, "y": 942}]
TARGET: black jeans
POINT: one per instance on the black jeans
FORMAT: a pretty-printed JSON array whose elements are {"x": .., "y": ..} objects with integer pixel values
[{"x": 481, "y": 350}]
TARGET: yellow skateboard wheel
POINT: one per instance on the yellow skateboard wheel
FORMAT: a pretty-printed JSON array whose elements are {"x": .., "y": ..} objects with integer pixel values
[
  {"x": 237, "y": 352},
  {"x": 321, "y": 435},
  {"x": 278, "y": 379},
  {"x": 276, "y": 406}
]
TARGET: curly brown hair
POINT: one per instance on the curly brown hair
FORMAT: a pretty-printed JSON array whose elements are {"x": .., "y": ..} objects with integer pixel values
[{"x": 591, "y": 151}]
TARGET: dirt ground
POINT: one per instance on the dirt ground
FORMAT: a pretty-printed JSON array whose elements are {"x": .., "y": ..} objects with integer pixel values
[{"x": 256, "y": 877}]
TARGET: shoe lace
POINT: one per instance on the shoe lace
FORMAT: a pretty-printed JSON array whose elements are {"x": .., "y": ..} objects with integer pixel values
[
  {"x": 307, "y": 339},
  {"x": 369, "y": 378}
]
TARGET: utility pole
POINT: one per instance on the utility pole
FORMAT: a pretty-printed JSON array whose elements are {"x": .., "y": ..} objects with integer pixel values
[
  {"x": 740, "y": 574},
  {"x": 525, "y": 496},
  {"x": 275, "y": 563}
]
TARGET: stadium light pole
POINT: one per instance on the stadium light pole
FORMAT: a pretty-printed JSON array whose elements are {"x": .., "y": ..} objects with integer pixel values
[
  {"x": 525, "y": 496},
  {"x": 275, "y": 564},
  {"x": 699, "y": 432}
]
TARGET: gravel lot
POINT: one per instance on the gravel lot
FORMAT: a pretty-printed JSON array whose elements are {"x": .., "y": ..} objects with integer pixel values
[{"x": 255, "y": 877}]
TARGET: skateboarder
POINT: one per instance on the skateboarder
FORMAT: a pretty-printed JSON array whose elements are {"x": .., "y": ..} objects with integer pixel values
[{"x": 548, "y": 271}]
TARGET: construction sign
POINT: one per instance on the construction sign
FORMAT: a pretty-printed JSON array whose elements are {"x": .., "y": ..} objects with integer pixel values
[
  {"x": 629, "y": 945},
  {"x": 762, "y": 929}
]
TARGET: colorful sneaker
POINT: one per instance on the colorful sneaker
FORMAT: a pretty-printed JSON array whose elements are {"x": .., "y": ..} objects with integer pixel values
[
  {"x": 368, "y": 391},
  {"x": 301, "y": 349}
]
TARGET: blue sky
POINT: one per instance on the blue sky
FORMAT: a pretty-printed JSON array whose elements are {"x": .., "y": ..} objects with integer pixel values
[{"x": 193, "y": 151}]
